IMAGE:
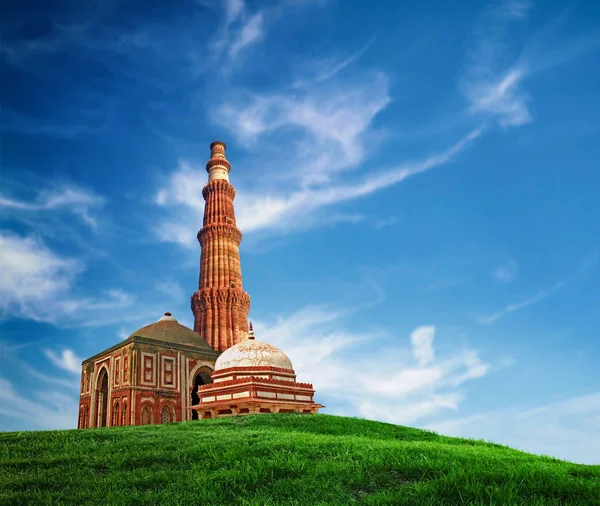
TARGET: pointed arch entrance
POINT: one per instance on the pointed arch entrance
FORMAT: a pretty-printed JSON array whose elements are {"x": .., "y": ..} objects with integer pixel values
[
  {"x": 202, "y": 377},
  {"x": 115, "y": 418},
  {"x": 167, "y": 414},
  {"x": 147, "y": 415},
  {"x": 102, "y": 398}
]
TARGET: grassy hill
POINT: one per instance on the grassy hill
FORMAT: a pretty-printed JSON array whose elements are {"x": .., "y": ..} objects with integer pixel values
[{"x": 280, "y": 459}]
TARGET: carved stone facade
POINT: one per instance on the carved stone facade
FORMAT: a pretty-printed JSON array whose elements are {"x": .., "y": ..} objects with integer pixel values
[
  {"x": 151, "y": 377},
  {"x": 220, "y": 305}
]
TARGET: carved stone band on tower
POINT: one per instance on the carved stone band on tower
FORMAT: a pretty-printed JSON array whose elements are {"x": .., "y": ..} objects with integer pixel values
[{"x": 220, "y": 305}]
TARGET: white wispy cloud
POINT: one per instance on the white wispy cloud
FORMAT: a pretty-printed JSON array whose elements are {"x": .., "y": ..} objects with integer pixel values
[
  {"x": 37, "y": 283},
  {"x": 331, "y": 122},
  {"x": 538, "y": 297},
  {"x": 324, "y": 130},
  {"x": 329, "y": 68},
  {"x": 239, "y": 30},
  {"x": 493, "y": 87},
  {"x": 565, "y": 429},
  {"x": 242, "y": 27},
  {"x": 590, "y": 260},
  {"x": 66, "y": 359},
  {"x": 407, "y": 379},
  {"x": 281, "y": 210},
  {"x": 501, "y": 97},
  {"x": 31, "y": 271},
  {"x": 115, "y": 298},
  {"x": 422, "y": 344},
  {"x": 250, "y": 32},
  {"x": 325, "y": 127},
  {"x": 72, "y": 199},
  {"x": 45, "y": 409},
  {"x": 233, "y": 10},
  {"x": 494, "y": 77},
  {"x": 72, "y": 385}
]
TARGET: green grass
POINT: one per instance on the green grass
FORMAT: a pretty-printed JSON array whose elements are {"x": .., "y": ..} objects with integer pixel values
[{"x": 280, "y": 459}]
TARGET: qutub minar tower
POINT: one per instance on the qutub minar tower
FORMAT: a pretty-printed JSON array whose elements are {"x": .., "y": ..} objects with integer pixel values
[
  {"x": 220, "y": 305},
  {"x": 166, "y": 372}
]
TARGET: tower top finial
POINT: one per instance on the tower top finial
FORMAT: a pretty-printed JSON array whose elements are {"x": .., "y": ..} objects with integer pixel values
[
  {"x": 214, "y": 145},
  {"x": 250, "y": 331}
]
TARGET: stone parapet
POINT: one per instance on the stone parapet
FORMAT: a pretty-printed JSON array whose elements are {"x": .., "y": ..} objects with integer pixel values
[
  {"x": 219, "y": 231},
  {"x": 253, "y": 379}
]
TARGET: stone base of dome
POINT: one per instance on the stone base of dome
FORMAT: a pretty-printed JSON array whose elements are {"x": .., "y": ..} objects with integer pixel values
[
  {"x": 248, "y": 395},
  {"x": 253, "y": 407}
]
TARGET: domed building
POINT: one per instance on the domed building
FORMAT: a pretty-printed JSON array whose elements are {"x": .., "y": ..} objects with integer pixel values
[
  {"x": 162, "y": 369},
  {"x": 254, "y": 377},
  {"x": 150, "y": 377}
]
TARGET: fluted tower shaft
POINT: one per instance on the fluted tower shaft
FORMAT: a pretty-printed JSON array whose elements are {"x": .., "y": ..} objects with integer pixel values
[{"x": 220, "y": 305}]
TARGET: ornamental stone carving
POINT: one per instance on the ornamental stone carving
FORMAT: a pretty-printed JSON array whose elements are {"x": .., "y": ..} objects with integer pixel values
[
  {"x": 252, "y": 353},
  {"x": 222, "y": 230},
  {"x": 219, "y": 185},
  {"x": 217, "y": 161}
]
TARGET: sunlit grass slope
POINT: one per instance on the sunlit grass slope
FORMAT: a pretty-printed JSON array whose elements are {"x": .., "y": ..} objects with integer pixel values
[{"x": 280, "y": 459}]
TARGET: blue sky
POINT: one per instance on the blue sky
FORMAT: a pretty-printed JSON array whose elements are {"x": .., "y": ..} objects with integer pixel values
[{"x": 417, "y": 185}]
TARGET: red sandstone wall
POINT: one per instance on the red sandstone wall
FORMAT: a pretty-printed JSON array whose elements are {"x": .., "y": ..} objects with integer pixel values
[{"x": 134, "y": 384}]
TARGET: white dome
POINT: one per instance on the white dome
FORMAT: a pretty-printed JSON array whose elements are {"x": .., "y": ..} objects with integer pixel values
[{"x": 252, "y": 353}]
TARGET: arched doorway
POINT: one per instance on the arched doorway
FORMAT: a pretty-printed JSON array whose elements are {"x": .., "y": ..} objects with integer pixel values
[
  {"x": 167, "y": 414},
  {"x": 115, "y": 419},
  {"x": 102, "y": 396},
  {"x": 202, "y": 377},
  {"x": 147, "y": 415}
]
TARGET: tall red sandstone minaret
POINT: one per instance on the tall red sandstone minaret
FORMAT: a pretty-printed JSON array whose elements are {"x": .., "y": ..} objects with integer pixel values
[{"x": 220, "y": 305}]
